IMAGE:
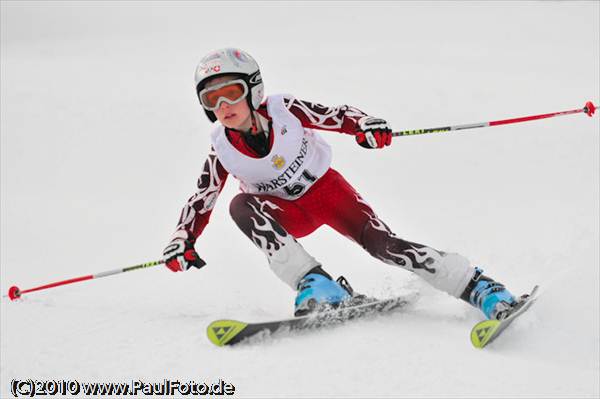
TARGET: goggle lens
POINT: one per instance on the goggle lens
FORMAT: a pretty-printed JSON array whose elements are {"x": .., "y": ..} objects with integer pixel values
[{"x": 231, "y": 93}]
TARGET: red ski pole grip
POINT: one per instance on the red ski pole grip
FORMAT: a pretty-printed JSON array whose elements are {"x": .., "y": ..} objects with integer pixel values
[
  {"x": 589, "y": 108},
  {"x": 14, "y": 293}
]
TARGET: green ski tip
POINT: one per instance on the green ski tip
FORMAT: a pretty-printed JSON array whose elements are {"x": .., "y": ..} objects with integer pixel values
[
  {"x": 220, "y": 332},
  {"x": 483, "y": 331}
]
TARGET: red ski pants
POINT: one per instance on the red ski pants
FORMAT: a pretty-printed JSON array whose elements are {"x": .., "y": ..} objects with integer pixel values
[{"x": 331, "y": 201}]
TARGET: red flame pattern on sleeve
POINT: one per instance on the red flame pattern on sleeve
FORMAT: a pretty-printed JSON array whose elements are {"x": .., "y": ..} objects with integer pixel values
[
  {"x": 196, "y": 212},
  {"x": 342, "y": 118}
]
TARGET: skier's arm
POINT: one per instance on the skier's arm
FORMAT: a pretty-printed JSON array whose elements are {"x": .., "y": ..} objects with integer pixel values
[
  {"x": 370, "y": 132},
  {"x": 342, "y": 119},
  {"x": 196, "y": 212},
  {"x": 180, "y": 253}
]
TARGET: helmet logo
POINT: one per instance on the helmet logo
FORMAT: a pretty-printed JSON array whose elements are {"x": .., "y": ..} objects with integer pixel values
[
  {"x": 255, "y": 78},
  {"x": 206, "y": 69},
  {"x": 278, "y": 162}
]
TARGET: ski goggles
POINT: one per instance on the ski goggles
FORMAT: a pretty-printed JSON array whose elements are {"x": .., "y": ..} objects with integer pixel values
[{"x": 231, "y": 92}]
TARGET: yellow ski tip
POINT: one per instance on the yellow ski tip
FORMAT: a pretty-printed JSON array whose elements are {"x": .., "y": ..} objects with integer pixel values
[
  {"x": 482, "y": 332},
  {"x": 220, "y": 332}
]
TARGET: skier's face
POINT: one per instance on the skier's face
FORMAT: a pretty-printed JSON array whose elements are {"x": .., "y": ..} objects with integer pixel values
[{"x": 236, "y": 116}]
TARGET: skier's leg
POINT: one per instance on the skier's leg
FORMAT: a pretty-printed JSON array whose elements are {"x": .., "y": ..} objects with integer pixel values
[
  {"x": 269, "y": 222},
  {"x": 449, "y": 272},
  {"x": 260, "y": 217}
]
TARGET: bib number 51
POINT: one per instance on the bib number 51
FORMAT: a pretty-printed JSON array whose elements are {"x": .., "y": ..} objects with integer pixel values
[{"x": 298, "y": 187}]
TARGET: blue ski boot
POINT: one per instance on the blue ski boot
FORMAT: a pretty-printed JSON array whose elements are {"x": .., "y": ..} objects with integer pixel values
[
  {"x": 317, "y": 292},
  {"x": 494, "y": 300}
]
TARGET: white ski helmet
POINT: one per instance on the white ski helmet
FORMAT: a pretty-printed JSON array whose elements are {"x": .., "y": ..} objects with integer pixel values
[{"x": 231, "y": 61}]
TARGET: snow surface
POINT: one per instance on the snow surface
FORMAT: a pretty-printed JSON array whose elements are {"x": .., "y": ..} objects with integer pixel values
[{"x": 102, "y": 141}]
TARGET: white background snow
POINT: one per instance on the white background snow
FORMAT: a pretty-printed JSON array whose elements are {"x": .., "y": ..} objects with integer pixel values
[{"x": 103, "y": 139}]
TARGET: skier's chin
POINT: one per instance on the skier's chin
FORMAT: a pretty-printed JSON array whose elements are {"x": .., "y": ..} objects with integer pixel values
[
  {"x": 233, "y": 126},
  {"x": 235, "y": 122}
]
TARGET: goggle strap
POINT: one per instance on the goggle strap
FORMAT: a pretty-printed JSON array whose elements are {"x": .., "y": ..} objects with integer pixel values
[{"x": 254, "y": 125}]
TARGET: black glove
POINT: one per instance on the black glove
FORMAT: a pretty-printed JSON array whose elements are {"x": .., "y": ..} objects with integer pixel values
[
  {"x": 373, "y": 132},
  {"x": 180, "y": 255}
]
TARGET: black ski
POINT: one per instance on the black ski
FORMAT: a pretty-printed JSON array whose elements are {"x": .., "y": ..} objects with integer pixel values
[{"x": 230, "y": 332}]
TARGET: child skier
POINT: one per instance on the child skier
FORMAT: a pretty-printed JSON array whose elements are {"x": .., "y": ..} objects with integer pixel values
[{"x": 289, "y": 189}]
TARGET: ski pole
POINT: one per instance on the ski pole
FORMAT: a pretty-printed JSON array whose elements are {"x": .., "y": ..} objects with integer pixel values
[
  {"x": 14, "y": 292},
  {"x": 588, "y": 108}
]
